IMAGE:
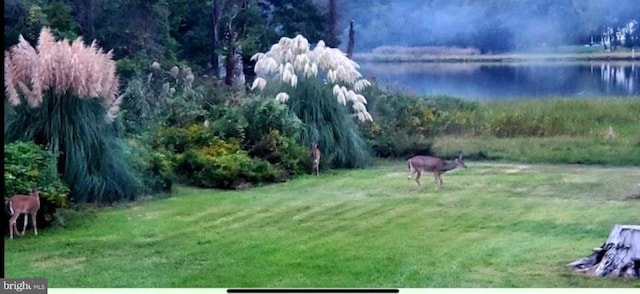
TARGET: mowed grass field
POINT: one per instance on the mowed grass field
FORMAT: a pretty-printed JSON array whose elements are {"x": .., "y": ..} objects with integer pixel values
[{"x": 492, "y": 225}]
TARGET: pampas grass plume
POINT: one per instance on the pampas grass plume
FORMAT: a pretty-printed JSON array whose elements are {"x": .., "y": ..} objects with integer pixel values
[{"x": 63, "y": 67}]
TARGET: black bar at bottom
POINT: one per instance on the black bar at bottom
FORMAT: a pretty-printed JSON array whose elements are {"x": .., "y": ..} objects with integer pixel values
[{"x": 249, "y": 291}]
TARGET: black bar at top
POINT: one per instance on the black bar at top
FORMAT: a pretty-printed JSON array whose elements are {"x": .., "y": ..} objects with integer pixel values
[{"x": 247, "y": 291}]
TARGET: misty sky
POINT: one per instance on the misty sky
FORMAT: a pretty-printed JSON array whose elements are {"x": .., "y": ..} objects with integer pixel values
[{"x": 520, "y": 23}]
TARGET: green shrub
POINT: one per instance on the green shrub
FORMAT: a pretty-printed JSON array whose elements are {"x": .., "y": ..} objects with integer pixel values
[
  {"x": 272, "y": 132},
  {"x": 154, "y": 168},
  {"x": 28, "y": 166},
  {"x": 283, "y": 152},
  {"x": 245, "y": 143},
  {"x": 173, "y": 138},
  {"x": 130, "y": 66},
  {"x": 403, "y": 126},
  {"x": 178, "y": 140},
  {"x": 230, "y": 123},
  {"x": 224, "y": 165},
  {"x": 265, "y": 116},
  {"x": 158, "y": 96},
  {"x": 266, "y": 129}
]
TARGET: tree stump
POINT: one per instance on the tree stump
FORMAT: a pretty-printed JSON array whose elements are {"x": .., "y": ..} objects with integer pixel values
[{"x": 619, "y": 256}]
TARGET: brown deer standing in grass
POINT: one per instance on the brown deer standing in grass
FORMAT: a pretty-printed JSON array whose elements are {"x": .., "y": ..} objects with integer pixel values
[
  {"x": 419, "y": 164},
  {"x": 315, "y": 156},
  {"x": 27, "y": 205}
]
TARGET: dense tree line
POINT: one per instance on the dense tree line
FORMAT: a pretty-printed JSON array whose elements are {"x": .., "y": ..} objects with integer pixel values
[
  {"x": 201, "y": 32},
  {"x": 197, "y": 32}
]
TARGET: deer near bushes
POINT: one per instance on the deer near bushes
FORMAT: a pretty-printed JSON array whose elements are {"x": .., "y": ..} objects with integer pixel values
[
  {"x": 315, "y": 157},
  {"x": 27, "y": 205},
  {"x": 419, "y": 164}
]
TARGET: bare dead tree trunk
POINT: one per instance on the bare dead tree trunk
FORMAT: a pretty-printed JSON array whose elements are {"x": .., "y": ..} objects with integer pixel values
[
  {"x": 215, "y": 40},
  {"x": 619, "y": 256},
  {"x": 245, "y": 57},
  {"x": 230, "y": 59},
  {"x": 352, "y": 39},
  {"x": 248, "y": 69}
]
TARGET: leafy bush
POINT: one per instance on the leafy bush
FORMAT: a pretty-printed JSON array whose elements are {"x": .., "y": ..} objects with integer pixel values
[
  {"x": 272, "y": 132},
  {"x": 178, "y": 140},
  {"x": 266, "y": 129},
  {"x": 283, "y": 152},
  {"x": 224, "y": 165},
  {"x": 28, "y": 166},
  {"x": 154, "y": 168},
  {"x": 230, "y": 122},
  {"x": 265, "y": 116},
  {"x": 404, "y": 125},
  {"x": 162, "y": 97},
  {"x": 251, "y": 141}
]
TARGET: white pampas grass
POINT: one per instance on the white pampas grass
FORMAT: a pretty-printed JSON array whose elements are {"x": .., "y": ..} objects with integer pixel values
[
  {"x": 292, "y": 58},
  {"x": 259, "y": 83},
  {"x": 282, "y": 97},
  {"x": 85, "y": 72}
]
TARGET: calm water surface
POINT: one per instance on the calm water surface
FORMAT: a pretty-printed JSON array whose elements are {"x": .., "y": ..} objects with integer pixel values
[{"x": 510, "y": 80}]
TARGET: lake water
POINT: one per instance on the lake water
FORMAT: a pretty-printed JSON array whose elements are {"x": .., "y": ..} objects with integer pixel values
[{"x": 510, "y": 80}]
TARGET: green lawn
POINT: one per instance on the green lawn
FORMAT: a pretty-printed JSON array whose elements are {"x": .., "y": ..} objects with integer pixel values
[{"x": 492, "y": 225}]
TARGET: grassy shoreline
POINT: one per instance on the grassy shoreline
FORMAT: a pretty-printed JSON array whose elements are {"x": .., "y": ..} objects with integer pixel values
[
  {"x": 346, "y": 228},
  {"x": 549, "y": 150},
  {"x": 566, "y": 131},
  {"x": 507, "y": 57}
]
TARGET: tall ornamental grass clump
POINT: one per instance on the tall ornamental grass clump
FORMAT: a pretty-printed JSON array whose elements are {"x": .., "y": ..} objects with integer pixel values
[
  {"x": 71, "y": 101},
  {"x": 323, "y": 88}
]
